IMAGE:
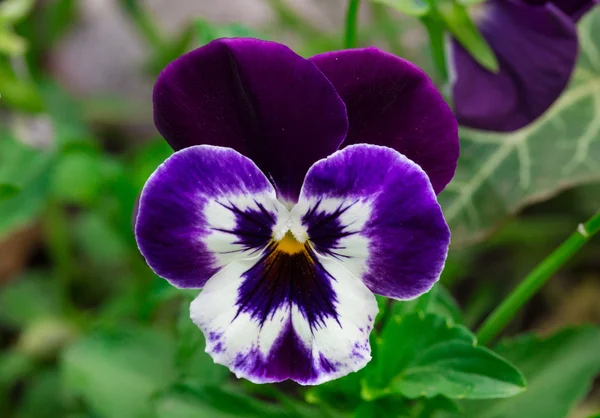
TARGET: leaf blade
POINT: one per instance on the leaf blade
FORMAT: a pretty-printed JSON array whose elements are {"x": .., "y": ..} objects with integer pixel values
[
  {"x": 498, "y": 174},
  {"x": 459, "y": 23},
  {"x": 460, "y": 371},
  {"x": 426, "y": 355},
  {"x": 559, "y": 370},
  {"x": 116, "y": 372}
]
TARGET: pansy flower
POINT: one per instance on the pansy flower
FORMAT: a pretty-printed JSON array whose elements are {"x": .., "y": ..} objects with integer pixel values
[
  {"x": 275, "y": 206},
  {"x": 535, "y": 42}
]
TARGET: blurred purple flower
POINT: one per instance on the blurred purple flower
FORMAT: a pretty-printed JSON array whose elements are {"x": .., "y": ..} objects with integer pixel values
[
  {"x": 535, "y": 42},
  {"x": 274, "y": 205}
]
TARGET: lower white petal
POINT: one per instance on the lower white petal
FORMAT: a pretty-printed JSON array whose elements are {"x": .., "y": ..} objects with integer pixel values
[{"x": 286, "y": 316}]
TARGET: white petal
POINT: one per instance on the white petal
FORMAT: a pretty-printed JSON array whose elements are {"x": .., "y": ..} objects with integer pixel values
[{"x": 310, "y": 331}]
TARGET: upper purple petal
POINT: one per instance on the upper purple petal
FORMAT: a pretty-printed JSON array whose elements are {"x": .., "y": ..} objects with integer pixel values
[
  {"x": 536, "y": 49},
  {"x": 202, "y": 209},
  {"x": 573, "y": 8},
  {"x": 374, "y": 211},
  {"x": 257, "y": 97},
  {"x": 392, "y": 102}
]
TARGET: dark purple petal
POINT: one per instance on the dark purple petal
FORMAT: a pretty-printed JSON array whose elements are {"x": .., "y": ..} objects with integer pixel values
[
  {"x": 392, "y": 102},
  {"x": 287, "y": 315},
  {"x": 203, "y": 208},
  {"x": 573, "y": 8},
  {"x": 536, "y": 49},
  {"x": 257, "y": 97},
  {"x": 374, "y": 211}
]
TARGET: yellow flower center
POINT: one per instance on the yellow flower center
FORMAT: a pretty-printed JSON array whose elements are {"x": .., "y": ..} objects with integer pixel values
[{"x": 290, "y": 245}]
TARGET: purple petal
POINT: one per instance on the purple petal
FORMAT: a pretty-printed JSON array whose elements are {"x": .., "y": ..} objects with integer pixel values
[
  {"x": 374, "y": 211},
  {"x": 203, "y": 208},
  {"x": 257, "y": 97},
  {"x": 536, "y": 49},
  {"x": 286, "y": 316},
  {"x": 573, "y": 8},
  {"x": 392, "y": 102}
]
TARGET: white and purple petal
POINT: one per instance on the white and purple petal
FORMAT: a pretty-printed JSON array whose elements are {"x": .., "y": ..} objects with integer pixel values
[
  {"x": 286, "y": 316},
  {"x": 536, "y": 48},
  {"x": 203, "y": 208},
  {"x": 374, "y": 211},
  {"x": 257, "y": 97},
  {"x": 287, "y": 295}
]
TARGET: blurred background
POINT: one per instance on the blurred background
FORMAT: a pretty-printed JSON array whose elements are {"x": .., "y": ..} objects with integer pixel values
[{"x": 86, "y": 328}]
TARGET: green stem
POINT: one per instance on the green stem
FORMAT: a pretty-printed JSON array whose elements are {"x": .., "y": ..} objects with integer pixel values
[
  {"x": 503, "y": 314},
  {"x": 144, "y": 23},
  {"x": 436, "y": 41},
  {"x": 388, "y": 27},
  {"x": 350, "y": 34}
]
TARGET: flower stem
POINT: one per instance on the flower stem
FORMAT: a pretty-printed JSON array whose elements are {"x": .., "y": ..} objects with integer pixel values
[
  {"x": 351, "y": 24},
  {"x": 144, "y": 23},
  {"x": 502, "y": 315}
]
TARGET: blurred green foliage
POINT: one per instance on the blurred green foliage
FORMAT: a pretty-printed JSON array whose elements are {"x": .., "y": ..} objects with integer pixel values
[{"x": 87, "y": 330}]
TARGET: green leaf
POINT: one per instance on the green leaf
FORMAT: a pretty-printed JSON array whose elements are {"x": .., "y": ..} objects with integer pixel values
[
  {"x": 59, "y": 16},
  {"x": 11, "y": 43},
  {"x": 441, "y": 403},
  {"x": 18, "y": 162},
  {"x": 24, "y": 208},
  {"x": 457, "y": 369},
  {"x": 559, "y": 371},
  {"x": 445, "y": 305},
  {"x": 147, "y": 159},
  {"x": 343, "y": 393},
  {"x": 396, "y": 351},
  {"x": 29, "y": 170},
  {"x": 17, "y": 92},
  {"x": 14, "y": 365},
  {"x": 101, "y": 244},
  {"x": 67, "y": 117},
  {"x": 46, "y": 337},
  {"x": 498, "y": 174},
  {"x": 7, "y": 191},
  {"x": 28, "y": 298},
  {"x": 14, "y": 10},
  {"x": 119, "y": 205},
  {"x": 191, "y": 401},
  {"x": 77, "y": 178},
  {"x": 427, "y": 355},
  {"x": 457, "y": 20},
  {"x": 116, "y": 372},
  {"x": 42, "y": 397},
  {"x": 208, "y": 32},
  {"x": 438, "y": 301},
  {"x": 410, "y": 7},
  {"x": 384, "y": 408}
]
